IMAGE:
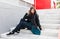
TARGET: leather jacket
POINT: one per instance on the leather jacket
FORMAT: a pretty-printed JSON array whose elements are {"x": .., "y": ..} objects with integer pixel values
[{"x": 32, "y": 18}]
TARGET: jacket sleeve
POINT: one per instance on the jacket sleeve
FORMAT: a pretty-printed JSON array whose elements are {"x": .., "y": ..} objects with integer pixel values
[
  {"x": 25, "y": 16},
  {"x": 33, "y": 21},
  {"x": 38, "y": 22}
]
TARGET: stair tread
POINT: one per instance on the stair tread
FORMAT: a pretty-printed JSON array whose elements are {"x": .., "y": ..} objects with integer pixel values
[
  {"x": 45, "y": 32},
  {"x": 26, "y": 36},
  {"x": 50, "y": 30}
]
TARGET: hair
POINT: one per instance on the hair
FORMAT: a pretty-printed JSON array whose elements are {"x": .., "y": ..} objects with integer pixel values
[{"x": 31, "y": 9}]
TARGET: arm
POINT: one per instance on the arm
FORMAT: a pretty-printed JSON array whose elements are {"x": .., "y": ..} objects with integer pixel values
[
  {"x": 38, "y": 22},
  {"x": 25, "y": 16},
  {"x": 33, "y": 21}
]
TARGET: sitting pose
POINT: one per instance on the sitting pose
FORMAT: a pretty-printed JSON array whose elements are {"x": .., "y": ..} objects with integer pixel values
[{"x": 29, "y": 21}]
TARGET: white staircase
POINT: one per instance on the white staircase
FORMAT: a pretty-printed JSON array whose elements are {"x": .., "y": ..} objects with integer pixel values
[{"x": 49, "y": 20}]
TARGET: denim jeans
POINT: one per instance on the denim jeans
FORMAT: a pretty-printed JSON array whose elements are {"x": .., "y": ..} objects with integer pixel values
[{"x": 28, "y": 25}]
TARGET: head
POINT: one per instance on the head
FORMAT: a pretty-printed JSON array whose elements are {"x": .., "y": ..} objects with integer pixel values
[{"x": 32, "y": 10}]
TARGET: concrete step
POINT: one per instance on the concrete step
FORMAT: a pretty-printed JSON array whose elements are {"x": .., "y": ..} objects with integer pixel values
[
  {"x": 49, "y": 11},
  {"x": 50, "y": 32},
  {"x": 50, "y": 21},
  {"x": 31, "y": 37},
  {"x": 26, "y": 36},
  {"x": 48, "y": 18},
  {"x": 50, "y": 26},
  {"x": 46, "y": 32}
]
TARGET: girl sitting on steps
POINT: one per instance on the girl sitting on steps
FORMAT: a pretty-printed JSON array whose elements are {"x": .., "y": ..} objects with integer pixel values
[{"x": 29, "y": 21}]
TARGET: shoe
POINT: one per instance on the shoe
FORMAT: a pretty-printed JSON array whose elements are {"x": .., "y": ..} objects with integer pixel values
[
  {"x": 11, "y": 33},
  {"x": 18, "y": 32}
]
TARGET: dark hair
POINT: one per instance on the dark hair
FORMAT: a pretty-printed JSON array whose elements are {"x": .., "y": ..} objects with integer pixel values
[{"x": 31, "y": 9}]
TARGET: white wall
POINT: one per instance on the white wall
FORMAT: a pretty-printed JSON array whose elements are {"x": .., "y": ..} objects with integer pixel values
[
  {"x": 12, "y": 2},
  {"x": 10, "y": 16},
  {"x": 11, "y": 11}
]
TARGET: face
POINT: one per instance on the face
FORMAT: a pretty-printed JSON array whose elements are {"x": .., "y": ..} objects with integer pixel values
[{"x": 32, "y": 11}]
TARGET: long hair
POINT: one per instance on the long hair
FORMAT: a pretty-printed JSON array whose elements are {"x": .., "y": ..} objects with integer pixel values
[{"x": 31, "y": 9}]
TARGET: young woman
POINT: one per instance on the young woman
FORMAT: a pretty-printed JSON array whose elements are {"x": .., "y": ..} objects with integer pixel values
[{"x": 29, "y": 21}]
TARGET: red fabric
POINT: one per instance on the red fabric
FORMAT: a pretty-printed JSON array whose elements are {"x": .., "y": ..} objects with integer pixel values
[{"x": 42, "y": 4}]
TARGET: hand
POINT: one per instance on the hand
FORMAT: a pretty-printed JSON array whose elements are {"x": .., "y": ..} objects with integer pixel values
[{"x": 40, "y": 28}]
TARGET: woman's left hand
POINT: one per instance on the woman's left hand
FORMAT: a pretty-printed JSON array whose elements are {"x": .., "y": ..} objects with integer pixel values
[{"x": 40, "y": 28}]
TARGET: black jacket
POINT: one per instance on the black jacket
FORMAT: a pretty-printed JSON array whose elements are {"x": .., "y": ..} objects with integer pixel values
[{"x": 32, "y": 18}]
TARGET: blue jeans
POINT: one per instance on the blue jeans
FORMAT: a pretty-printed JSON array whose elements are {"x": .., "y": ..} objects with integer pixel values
[{"x": 28, "y": 25}]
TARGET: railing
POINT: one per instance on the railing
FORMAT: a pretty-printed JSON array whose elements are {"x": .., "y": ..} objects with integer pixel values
[{"x": 25, "y": 3}]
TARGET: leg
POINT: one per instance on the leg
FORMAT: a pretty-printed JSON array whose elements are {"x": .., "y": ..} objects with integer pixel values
[
  {"x": 26, "y": 24},
  {"x": 32, "y": 27},
  {"x": 35, "y": 30},
  {"x": 18, "y": 27}
]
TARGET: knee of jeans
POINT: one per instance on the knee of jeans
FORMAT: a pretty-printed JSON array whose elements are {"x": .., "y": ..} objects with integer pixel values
[{"x": 21, "y": 21}]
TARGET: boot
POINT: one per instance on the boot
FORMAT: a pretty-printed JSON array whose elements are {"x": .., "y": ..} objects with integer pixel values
[
  {"x": 11, "y": 33},
  {"x": 18, "y": 32}
]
